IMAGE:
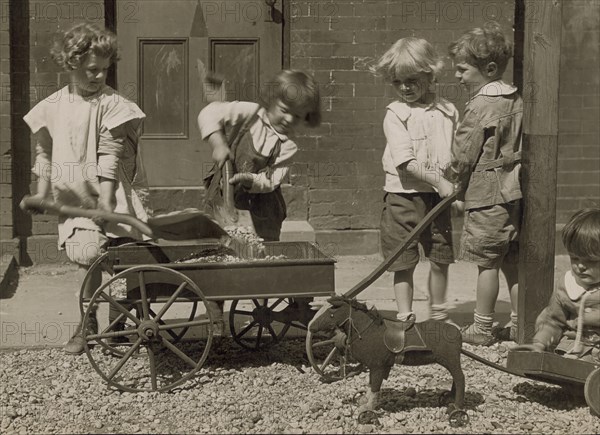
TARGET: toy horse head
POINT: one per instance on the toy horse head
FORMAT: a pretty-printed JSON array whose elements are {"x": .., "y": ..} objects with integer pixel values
[{"x": 335, "y": 313}]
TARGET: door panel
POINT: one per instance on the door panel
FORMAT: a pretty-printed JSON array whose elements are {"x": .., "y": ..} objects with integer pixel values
[
  {"x": 167, "y": 49},
  {"x": 163, "y": 83}
]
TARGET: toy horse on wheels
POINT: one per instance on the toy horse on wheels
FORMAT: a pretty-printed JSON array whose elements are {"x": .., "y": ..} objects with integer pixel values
[{"x": 379, "y": 343}]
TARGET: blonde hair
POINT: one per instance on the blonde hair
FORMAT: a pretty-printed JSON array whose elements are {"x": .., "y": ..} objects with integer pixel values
[
  {"x": 409, "y": 56},
  {"x": 298, "y": 90},
  {"x": 77, "y": 43},
  {"x": 482, "y": 45}
]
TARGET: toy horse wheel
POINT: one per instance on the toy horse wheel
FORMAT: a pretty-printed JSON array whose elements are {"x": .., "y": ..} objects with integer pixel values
[
  {"x": 265, "y": 323},
  {"x": 592, "y": 392},
  {"x": 328, "y": 360},
  {"x": 458, "y": 418},
  {"x": 368, "y": 417},
  {"x": 156, "y": 359}
]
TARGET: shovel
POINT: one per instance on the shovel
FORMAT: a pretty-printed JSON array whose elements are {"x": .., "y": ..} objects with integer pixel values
[
  {"x": 222, "y": 205},
  {"x": 220, "y": 191},
  {"x": 186, "y": 224}
]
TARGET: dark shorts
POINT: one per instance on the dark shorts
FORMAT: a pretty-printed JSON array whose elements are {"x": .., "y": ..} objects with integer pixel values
[
  {"x": 401, "y": 213},
  {"x": 490, "y": 235}
]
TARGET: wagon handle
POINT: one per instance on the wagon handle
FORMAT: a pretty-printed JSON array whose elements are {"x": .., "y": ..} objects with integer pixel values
[
  {"x": 56, "y": 208},
  {"x": 427, "y": 220}
]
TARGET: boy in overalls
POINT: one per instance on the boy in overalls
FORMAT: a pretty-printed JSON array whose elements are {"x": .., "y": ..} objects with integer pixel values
[{"x": 261, "y": 150}]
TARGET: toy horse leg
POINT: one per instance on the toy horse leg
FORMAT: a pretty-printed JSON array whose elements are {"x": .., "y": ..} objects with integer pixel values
[
  {"x": 376, "y": 377},
  {"x": 450, "y": 360},
  {"x": 458, "y": 381}
]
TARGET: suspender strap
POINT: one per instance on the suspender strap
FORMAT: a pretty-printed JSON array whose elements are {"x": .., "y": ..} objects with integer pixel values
[
  {"x": 235, "y": 139},
  {"x": 503, "y": 162}
]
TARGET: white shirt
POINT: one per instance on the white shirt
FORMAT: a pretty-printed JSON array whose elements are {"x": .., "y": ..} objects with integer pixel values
[
  {"x": 77, "y": 153},
  {"x": 217, "y": 115},
  {"x": 420, "y": 132}
]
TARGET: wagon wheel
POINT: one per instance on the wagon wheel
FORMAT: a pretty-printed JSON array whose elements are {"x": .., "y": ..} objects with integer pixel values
[
  {"x": 269, "y": 321},
  {"x": 115, "y": 346},
  {"x": 100, "y": 262},
  {"x": 164, "y": 288},
  {"x": 157, "y": 359},
  {"x": 332, "y": 363},
  {"x": 592, "y": 392}
]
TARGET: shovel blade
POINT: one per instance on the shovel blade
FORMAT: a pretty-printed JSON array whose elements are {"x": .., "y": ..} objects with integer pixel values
[{"x": 186, "y": 224}]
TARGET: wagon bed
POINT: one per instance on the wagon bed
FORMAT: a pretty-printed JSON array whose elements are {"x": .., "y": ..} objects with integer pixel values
[
  {"x": 305, "y": 271},
  {"x": 167, "y": 338}
]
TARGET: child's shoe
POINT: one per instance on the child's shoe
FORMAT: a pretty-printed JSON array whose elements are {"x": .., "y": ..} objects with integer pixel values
[
  {"x": 120, "y": 339},
  {"x": 507, "y": 332},
  {"x": 76, "y": 345},
  {"x": 473, "y": 335}
]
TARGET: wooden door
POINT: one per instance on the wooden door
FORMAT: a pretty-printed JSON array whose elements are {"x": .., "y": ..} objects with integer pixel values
[{"x": 167, "y": 49}]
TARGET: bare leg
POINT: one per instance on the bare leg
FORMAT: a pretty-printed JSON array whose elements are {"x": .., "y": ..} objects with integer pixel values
[
  {"x": 511, "y": 273},
  {"x": 403, "y": 289},
  {"x": 94, "y": 281},
  {"x": 487, "y": 290},
  {"x": 438, "y": 283}
]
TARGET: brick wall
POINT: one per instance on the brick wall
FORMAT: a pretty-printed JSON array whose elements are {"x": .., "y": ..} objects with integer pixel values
[
  {"x": 579, "y": 102},
  {"x": 337, "y": 41}
]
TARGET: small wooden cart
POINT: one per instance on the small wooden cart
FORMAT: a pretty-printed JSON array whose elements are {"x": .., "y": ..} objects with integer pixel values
[{"x": 167, "y": 338}]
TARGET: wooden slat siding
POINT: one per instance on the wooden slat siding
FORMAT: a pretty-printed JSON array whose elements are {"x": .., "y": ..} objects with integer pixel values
[{"x": 540, "y": 142}]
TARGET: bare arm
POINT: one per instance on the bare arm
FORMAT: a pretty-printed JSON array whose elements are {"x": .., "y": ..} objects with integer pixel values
[
  {"x": 419, "y": 171},
  {"x": 43, "y": 161},
  {"x": 220, "y": 149}
]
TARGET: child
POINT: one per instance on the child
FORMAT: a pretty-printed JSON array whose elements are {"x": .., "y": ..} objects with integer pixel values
[
  {"x": 486, "y": 160},
  {"x": 419, "y": 130},
  {"x": 262, "y": 156},
  {"x": 570, "y": 323},
  {"x": 86, "y": 144},
  {"x": 264, "y": 152}
]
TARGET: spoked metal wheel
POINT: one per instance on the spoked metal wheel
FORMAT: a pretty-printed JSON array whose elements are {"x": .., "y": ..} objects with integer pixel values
[
  {"x": 118, "y": 345},
  {"x": 592, "y": 392},
  {"x": 331, "y": 362},
  {"x": 155, "y": 358},
  {"x": 265, "y": 321}
]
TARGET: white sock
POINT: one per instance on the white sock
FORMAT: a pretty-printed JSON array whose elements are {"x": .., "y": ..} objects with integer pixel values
[
  {"x": 439, "y": 312},
  {"x": 483, "y": 322}
]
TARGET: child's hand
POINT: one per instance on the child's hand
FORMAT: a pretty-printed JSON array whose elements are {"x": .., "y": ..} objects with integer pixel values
[
  {"x": 221, "y": 154},
  {"x": 244, "y": 178},
  {"x": 458, "y": 208},
  {"x": 38, "y": 197},
  {"x": 106, "y": 205},
  {"x": 445, "y": 188}
]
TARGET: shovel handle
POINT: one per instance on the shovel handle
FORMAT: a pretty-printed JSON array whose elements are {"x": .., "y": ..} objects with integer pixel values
[
  {"x": 228, "y": 190},
  {"x": 413, "y": 235},
  {"x": 56, "y": 208}
]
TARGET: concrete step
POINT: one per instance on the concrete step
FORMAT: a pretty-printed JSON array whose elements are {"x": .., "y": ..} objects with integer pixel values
[{"x": 297, "y": 231}]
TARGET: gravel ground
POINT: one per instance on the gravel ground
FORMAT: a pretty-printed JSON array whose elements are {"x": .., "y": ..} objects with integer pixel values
[{"x": 274, "y": 391}]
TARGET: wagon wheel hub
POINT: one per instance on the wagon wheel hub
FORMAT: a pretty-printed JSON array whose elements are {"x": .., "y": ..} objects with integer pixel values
[
  {"x": 262, "y": 315},
  {"x": 148, "y": 330}
]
